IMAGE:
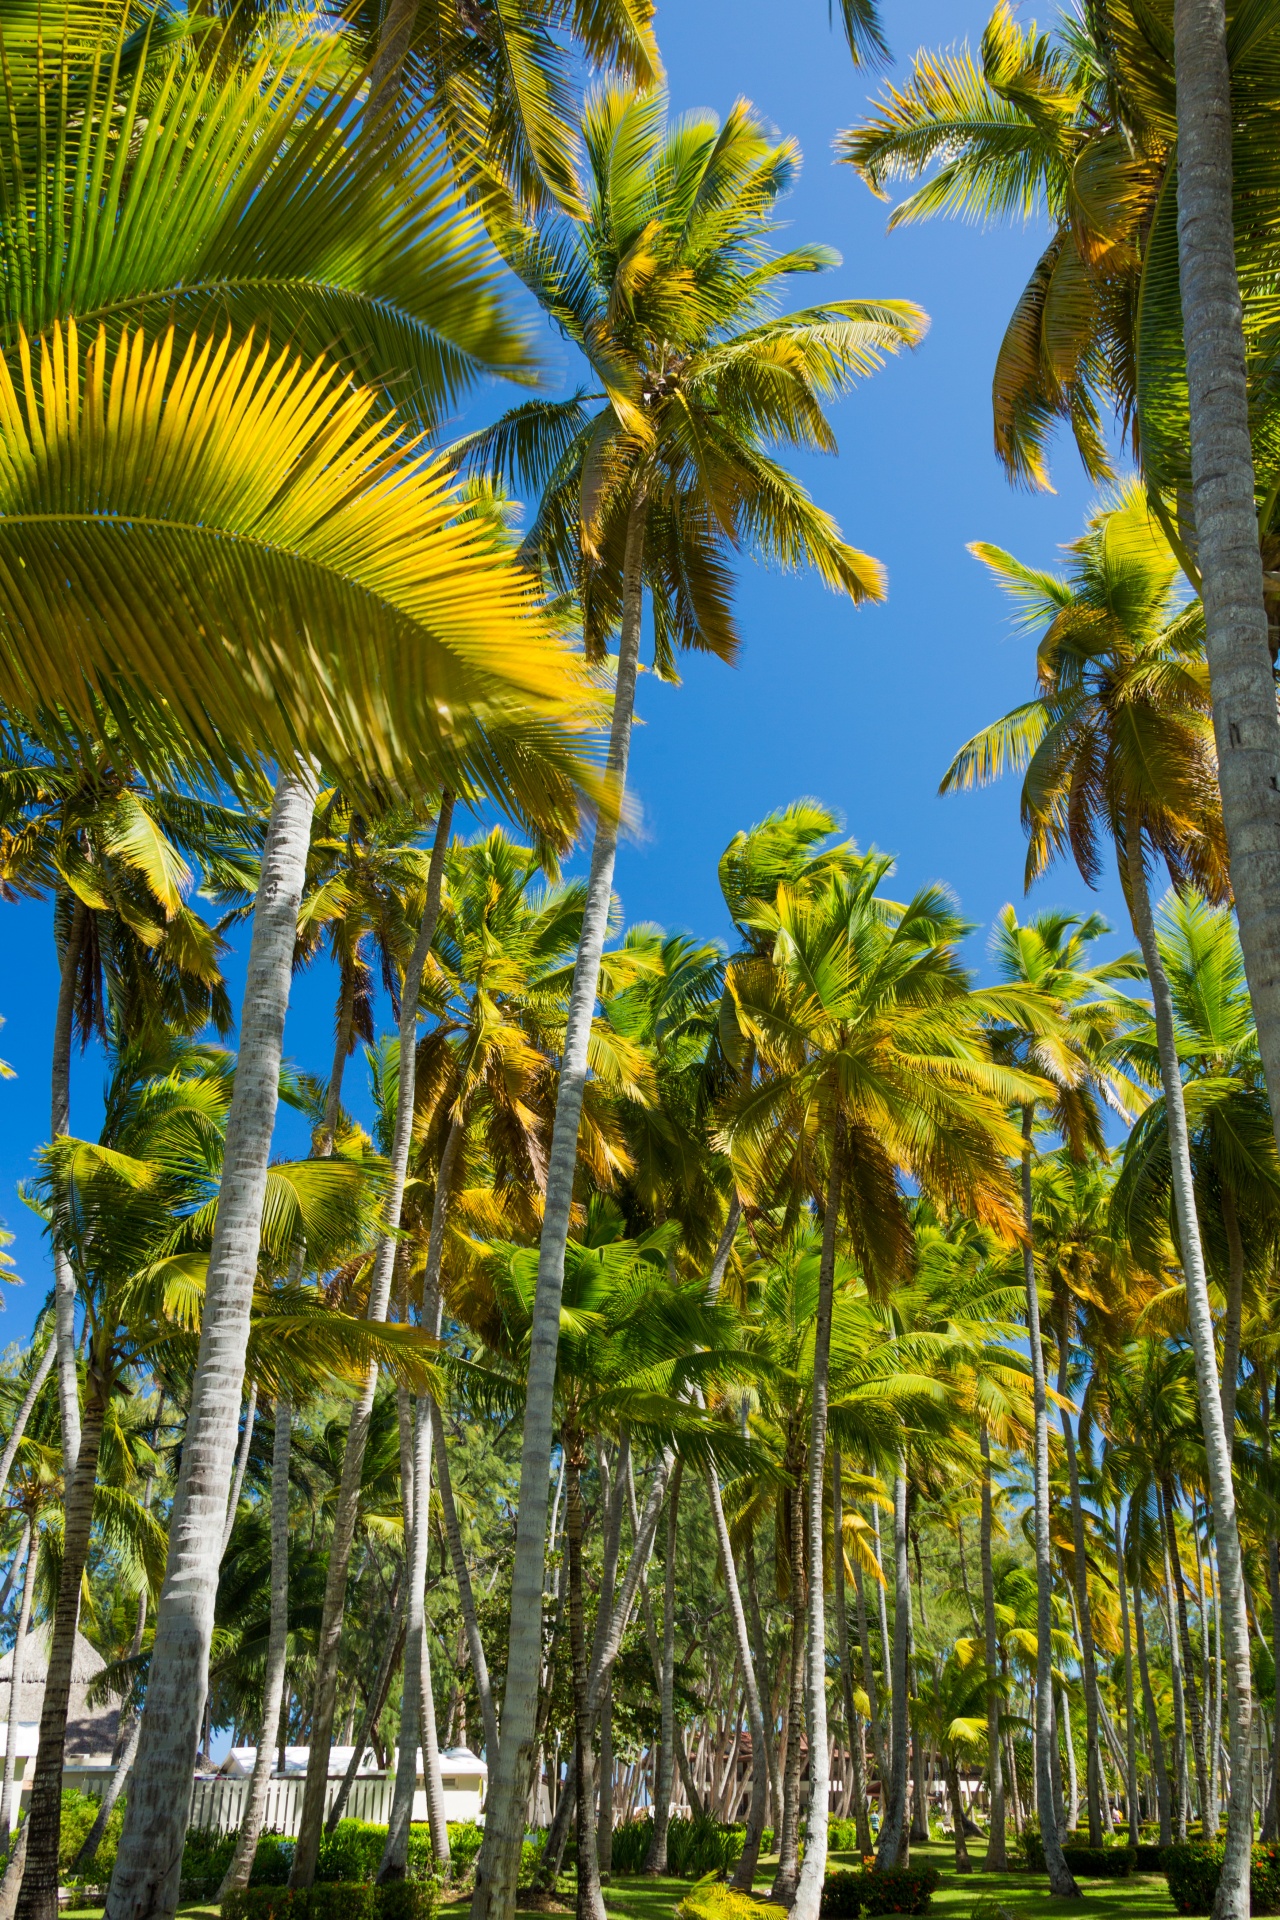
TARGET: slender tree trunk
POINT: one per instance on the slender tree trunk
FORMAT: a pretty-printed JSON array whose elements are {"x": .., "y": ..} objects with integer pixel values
[
  {"x": 997, "y": 1856},
  {"x": 963, "y": 1863},
  {"x": 886, "y": 1737},
  {"x": 1231, "y": 1319},
  {"x": 29, "y": 1398},
  {"x": 144, "y": 1885},
  {"x": 64, "y": 1287},
  {"x": 28, "y": 1551},
  {"x": 590, "y": 1901},
  {"x": 893, "y": 1827},
  {"x": 115, "y": 1787},
  {"x": 1210, "y": 1814},
  {"x": 391, "y": 1656},
  {"x": 242, "y": 1465},
  {"x": 604, "y": 1821},
  {"x": 1130, "y": 1722},
  {"x": 1061, "y": 1880},
  {"x": 1232, "y": 1899},
  {"x": 745, "y": 1872},
  {"x": 498, "y": 1865},
  {"x": 329, "y": 1639},
  {"x": 255, "y": 1804},
  {"x": 38, "y": 1899},
  {"x": 788, "y": 1870},
  {"x": 814, "y": 1870},
  {"x": 1094, "y": 1783},
  {"x": 760, "y": 1660},
  {"x": 1179, "y": 1701},
  {"x": 853, "y": 1732},
  {"x": 656, "y": 1858},
  {"x": 1189, "y": 1687},
  {"x": 1073, "y": 1779},
  {"x": 466, "y": 1592}
]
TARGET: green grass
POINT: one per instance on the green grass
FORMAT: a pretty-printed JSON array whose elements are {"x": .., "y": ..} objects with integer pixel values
[{"x": 1143, "y": 1896}]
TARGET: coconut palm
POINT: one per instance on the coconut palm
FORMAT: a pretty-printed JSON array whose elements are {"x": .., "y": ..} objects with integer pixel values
[
  {"x": 667, "y": 285},
  {"x": 1119, "y": 741},
  {"x": 874, "y": 1066}
]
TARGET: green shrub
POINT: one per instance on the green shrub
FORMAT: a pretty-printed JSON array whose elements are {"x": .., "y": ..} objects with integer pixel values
[
  {"x": 1101, "y": 1863},
  {"x": 1192, "y": 1872},
  {"x": 79, "y": 1811},
  {"x": 1033, "y": 1850},
  {"x": 334, "y": 1900},
  {"x": 1150, "y": 1856},
  {"x": 351, "y": 1853},
  {"x": 698, "y": 1847},
  {"x": 464, "y": 1844},
  {"x": 897, "y": 1890},
  {"x": 631, "y": 1844},
  {"x": 711, "y": 1899},
  {"x": 842, "y": 1836}
]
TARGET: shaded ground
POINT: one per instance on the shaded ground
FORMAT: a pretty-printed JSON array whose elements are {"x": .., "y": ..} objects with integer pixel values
[{"x": 1144, "y": 1897}]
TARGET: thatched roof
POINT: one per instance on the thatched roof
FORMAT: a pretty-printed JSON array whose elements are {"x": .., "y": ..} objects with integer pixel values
[{"x": 91, "y": 1731}]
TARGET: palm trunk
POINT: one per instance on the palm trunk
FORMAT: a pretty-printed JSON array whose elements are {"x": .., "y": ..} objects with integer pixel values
[
  {"x": 1189, "y": 1687},
  {"x": 997, "y": 1856},
  {"x": 1094, "y": 1783},
  {"x": 1232, "y": 1900},
  {"x": 343, "y": 1041},
  {"x": 813, "y": 1872},
  {"x": 1073, "y": 1778},
  {"x": 1130, "y": 1723},
  {"x": 148, "y": 1865},
  {"x": 886, "y": 1737},
  {"x": 466, "y": 1592},
  {"x": 869, "y": 1680},
  {"x": 1231, "y": 1319},
  {"x": 242, "y": 1466},
  {"x": 604, "y": 1823},
  {"x": 391, "y": 1656},
  {"x": 1061, "y": 1881},
  {"x": 590, "y": 1900},
  {"x": 324, "y": 1699},
  {"x": 277, "y": 1654},
  {"x": 656, "y": 1857},
  {"x": 64, "y": 1290},
  {"x": 498, "y": 1865},
  {"x": 28, "y": 1551},
  {"x": 38, "y": 1899},
  {"x": 893, "y": 1827},
  {"x": 1179, "y": 1703},
  {"x": 23, "y": 1414},
  {"x": 745, "y": 1872},
  {"x": 788, "y": 1870},
  {"x": 963, "y": 1863},
  {"x": 760, "y": 1660},
  {"x": 853, "y": 1731}
]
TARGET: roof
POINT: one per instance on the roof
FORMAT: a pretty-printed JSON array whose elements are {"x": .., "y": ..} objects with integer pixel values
[
  {"x": 91, "y": 1731},
  {"x": 239, "y": 1762}
]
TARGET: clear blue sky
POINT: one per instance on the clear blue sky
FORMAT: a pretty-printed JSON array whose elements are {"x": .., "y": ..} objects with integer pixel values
[{"x": 862, "y": 709}]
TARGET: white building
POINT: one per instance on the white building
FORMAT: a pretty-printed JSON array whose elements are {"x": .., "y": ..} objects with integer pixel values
[{"x": 465, "y": 1778}]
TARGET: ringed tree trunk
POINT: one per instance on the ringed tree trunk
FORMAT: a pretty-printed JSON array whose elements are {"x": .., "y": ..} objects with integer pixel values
[
  {"x": 149, "y": 1863},
  {"x": 590, "y": 1902},
  {"x": 1164, "y": 1797},
  {"x": 997, "y": 1856},
  {"x": 64, "y": 1280},
  {"x": 242, "y": 1466},
  {"x": 255, "y": 1807},
  {"x": 324, "y": 1699},
  {"x": 760, "y": 1660},
  {"x": 1196, "y": 24},
  {"x": 38, "y": 1899},
  {"x": 745, "y": 1872},
  {"x": 1191, "y": 1691},
  {"x": 656, "y": 1857},
  {"x": 853, "y": 1731},
  {"x": 1232, "y": 1316},
  {"x": 1095, "y": 1785},
  {"x": 963, "y": 1863},
  {"x": 417, "y": 1714},
  {"x": 497, "y": 1867},
  {"x": 1061, "y": 1880},
  {"x": 893, "y": 1827},
  {"x": 1130, "y": 1723},
  {"x": 27, "y": 1552},
  {"x": 814, "y": 1870},
  {"x": 23, "y": 1414},
  {"x": 788, "y": 1868}
]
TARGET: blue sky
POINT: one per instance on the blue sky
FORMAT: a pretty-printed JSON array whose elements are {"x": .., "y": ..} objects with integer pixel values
[{"x": 862, "y": 709}]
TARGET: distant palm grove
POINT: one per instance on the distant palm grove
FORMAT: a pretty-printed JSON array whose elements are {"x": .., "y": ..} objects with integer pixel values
[{"x": 749, "y": 1424}]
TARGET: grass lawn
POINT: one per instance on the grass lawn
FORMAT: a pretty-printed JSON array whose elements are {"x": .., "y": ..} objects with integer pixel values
[{"x": 1144, "y": 1896}]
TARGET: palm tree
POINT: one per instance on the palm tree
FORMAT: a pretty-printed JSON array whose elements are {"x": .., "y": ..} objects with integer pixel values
[
  {"x": 1119, "y": 740},
  {"x": 874, "y": 1066},
  {"x": 666, "y": 284}
]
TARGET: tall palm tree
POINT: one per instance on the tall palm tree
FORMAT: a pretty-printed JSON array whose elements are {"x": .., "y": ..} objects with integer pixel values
[
  {"x": 667, "y": 284},
  {"x": 874, "y": 1068},
  {"x": 1119, "y": 740}
]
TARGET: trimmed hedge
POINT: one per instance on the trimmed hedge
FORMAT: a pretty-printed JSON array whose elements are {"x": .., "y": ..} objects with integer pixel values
[
  {"x": 1101, "y": 1863},
  {"x": 353, "y": 1900},
  {"x": 1150, "y": 1856},
  {"x": 1192, "y": 1872},
  {"x": 897, "y": 1890}
]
